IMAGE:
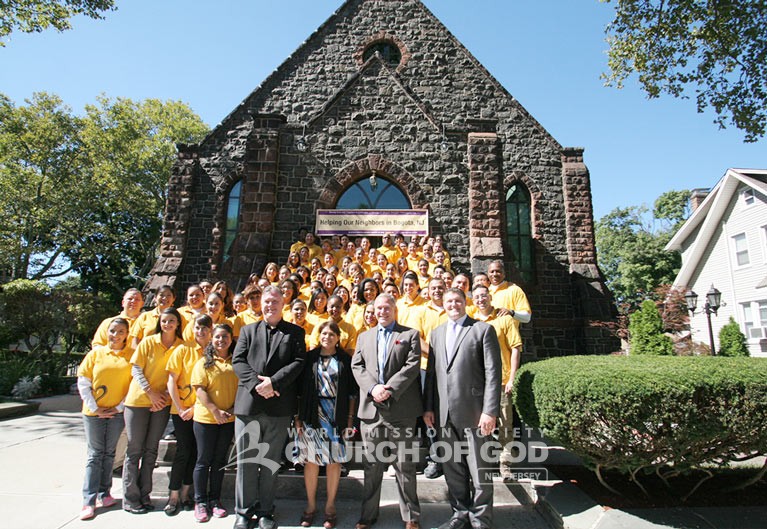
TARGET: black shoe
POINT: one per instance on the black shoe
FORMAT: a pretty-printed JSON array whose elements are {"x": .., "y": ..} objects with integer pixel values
[
  {"x": 138, "y": 509},
  {"x": 433, "y": 470},
  {"x": 149, "y": 506},
  {"x": 172, "y": 509},
  {"x": 188, "y": 505},
  {"x": 454, "y": 523},
  {"x": 267, "y": 522},
  {"x": 241, "y": 522}
]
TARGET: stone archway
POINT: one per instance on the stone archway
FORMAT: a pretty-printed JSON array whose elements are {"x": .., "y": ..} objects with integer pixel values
[{"x": 362, "y": 168}]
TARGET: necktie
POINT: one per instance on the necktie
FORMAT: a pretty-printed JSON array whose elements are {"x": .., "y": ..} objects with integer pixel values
[
  {"x": 383, "y": 345},
  {"x": 451, "y": 334}
]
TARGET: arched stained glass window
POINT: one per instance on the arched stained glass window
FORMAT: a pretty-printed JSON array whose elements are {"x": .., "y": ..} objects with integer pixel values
[
  {"x": 519, "y": 235},
  {"x": 232, "y": 218},
  {"x": 373, "y": 193}
]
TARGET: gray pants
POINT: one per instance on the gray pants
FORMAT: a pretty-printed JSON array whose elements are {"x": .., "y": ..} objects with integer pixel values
[
  {"x": 144, "y": 429},
  {"x": 469, "y": 479},
  {"x": 260, "y": 441},
  {"x": 385, "y": 439}
]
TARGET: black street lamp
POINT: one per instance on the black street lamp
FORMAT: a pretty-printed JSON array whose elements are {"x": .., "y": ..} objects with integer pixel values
[{"x": 713, "y": 302}]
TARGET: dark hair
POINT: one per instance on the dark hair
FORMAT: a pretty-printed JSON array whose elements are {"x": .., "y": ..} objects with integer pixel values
[
  {"x": 361, "y": 290},
  {"x": 346, "y": 302},
  {"x": 203, "y": 320},
  {"x": 210, "y": 352},
  {"x": 458, "y": 291},
  {"x": 126, "y": 323},
  {"x": 333, "y": 326},
  {"x": 312, "y": 303},
  {"x": 293, "y": 285},
  {"x": 179, "y": 330}
]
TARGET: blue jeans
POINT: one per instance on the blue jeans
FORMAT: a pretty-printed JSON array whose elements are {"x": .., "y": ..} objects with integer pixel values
[{"x": 101, "y": 436}]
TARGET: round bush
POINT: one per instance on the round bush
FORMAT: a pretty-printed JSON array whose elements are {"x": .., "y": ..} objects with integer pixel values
[{"x": 648, "y": 413}]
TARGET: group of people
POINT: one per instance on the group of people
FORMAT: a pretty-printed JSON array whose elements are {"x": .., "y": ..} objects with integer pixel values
[{"x": 342, "y": 335}]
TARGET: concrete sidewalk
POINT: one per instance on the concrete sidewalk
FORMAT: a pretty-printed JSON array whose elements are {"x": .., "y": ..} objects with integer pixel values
[{"x": 42, "y": 457}]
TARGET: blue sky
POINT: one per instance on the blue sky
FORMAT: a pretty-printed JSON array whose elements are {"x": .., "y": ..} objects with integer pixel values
[{"x": 548, "y": 54}]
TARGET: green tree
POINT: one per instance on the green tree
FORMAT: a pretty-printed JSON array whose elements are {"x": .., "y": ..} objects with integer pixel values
[
  {"x": 34, "y": 16},
  {"x": 732, "y": 342},
  {"x": 646, "y": 332},
  {"x": 86, "y": 194},
  {"x": 631, "y": 248},
  {"x": 712, "y": 48}
]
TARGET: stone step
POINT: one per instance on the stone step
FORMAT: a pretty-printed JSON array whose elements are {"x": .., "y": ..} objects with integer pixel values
[{"x": 290, "y": 485}]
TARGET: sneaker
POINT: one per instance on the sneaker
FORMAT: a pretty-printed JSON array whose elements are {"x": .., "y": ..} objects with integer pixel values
[
  {"x": 218, "y": 510},
  {"x": 433, "y": 470},
  {"x": 106, "y": 501},
  {"x": 88, "y": 512},
  {"x": 201, "y": 513}
]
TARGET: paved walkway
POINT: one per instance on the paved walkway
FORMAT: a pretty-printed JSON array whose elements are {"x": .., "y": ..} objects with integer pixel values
[{"x": 42, "y": 458}]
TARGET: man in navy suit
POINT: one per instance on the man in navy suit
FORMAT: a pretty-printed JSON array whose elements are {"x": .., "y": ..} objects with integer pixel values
[
  {"x": 462, "y": 398},
  {"x": 268, "y": 359}
]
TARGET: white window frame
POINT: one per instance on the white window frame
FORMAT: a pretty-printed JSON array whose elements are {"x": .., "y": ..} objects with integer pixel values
[
  {"x": 755, "y": 319},
  {"x": 749, "y": 196},
  {"x": 735, "y": 238}
]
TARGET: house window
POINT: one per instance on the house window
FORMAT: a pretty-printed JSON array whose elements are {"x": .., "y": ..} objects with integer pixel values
[
  {"x": 519, "y": 235},
  {"x": 755, "y": 319},
  {"x": 741, "y": 249},
  {"x": 232, "y": 218},
  {"x": 748, "y": 196}
]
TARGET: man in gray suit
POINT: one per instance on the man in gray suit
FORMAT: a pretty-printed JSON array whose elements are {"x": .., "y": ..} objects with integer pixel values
[
  {"x": 386, "y": 367},
  {"x": 267, "y": 359},
  {"x": 462, "y": 398}
]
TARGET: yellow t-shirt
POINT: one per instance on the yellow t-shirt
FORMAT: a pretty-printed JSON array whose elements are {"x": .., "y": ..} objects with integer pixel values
[
  {"x": 308, "y": 328},
  {"x": 356, "y": 315},
  {"x": 189, "y": 328},
  {"x": 180, "y": 363},
  {"x": 509, "y": 296},
  {"x": 188, "y": 313},
  {"x": 220, "y": 383},
  {"x": 348, "y": 339},
  {"x": 146, "y": 323},
  {"x": 244, "y": 318},
  {"x": 391, "y": 253},
  {"x": 430, "y": 317},
  {"x": 152, "y": 357},
  {"x": 408, "y": 310},
  {"x": 109, "y": 372},
  {"x": 316, "y": 319},
  {"x": 101, "y": 337},
  {"x": 507, "y": 330}
]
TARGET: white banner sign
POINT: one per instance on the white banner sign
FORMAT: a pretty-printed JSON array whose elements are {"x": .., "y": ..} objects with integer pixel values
[{"x": 372, "y": 222}]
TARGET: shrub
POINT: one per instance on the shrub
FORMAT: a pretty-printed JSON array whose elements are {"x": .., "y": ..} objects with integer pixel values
[
  {"x": 635, "y": 414},
  {"x": 646, "y": 332},
  {"x": 27, "y": 387},
  {"x": 732, "y": 342}
]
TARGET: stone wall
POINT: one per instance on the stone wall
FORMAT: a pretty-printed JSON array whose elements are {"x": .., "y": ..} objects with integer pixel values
[{"x": 438, "y": 125}]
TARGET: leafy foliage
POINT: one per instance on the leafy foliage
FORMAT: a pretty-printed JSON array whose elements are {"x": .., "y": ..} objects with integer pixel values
[
  {"x": 715, "y": 49},
  {"x": 631, "y": 249},
  {"x": 638, "y": 414},
  {"x": 732, "y": 342},
  {"x": 646, "y": 332},
  {"x": 86, "y": 194},
  {"x": 34, "y": 16}
]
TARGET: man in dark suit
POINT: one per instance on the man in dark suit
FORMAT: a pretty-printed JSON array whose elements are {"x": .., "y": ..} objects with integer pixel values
[
  {"x": 268, "y": 359},
  {"x": 386, "y": 367},
  {"x": 462, "y": 397}
]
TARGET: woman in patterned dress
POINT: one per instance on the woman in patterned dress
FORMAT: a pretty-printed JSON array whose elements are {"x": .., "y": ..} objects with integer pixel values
[{"x": 325, "y": 417}]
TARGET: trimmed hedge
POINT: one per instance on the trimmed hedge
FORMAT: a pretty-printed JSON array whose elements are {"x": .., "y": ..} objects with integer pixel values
[{"x": 667, "y": 415}]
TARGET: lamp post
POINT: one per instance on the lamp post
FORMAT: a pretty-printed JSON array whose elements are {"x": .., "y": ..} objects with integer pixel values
[{"x": 713, "y": 302}]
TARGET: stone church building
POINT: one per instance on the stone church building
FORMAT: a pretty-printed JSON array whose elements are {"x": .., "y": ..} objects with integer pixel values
[{"x": 382, "y": 89}]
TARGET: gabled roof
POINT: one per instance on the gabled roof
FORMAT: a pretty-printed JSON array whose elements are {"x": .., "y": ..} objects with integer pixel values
[
  {"x": 346, "y": 9},
  {"x": 709, "y": 215}
]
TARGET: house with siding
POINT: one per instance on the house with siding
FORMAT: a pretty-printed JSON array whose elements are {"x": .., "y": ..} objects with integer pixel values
[{"x": 724, "y": 244}]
